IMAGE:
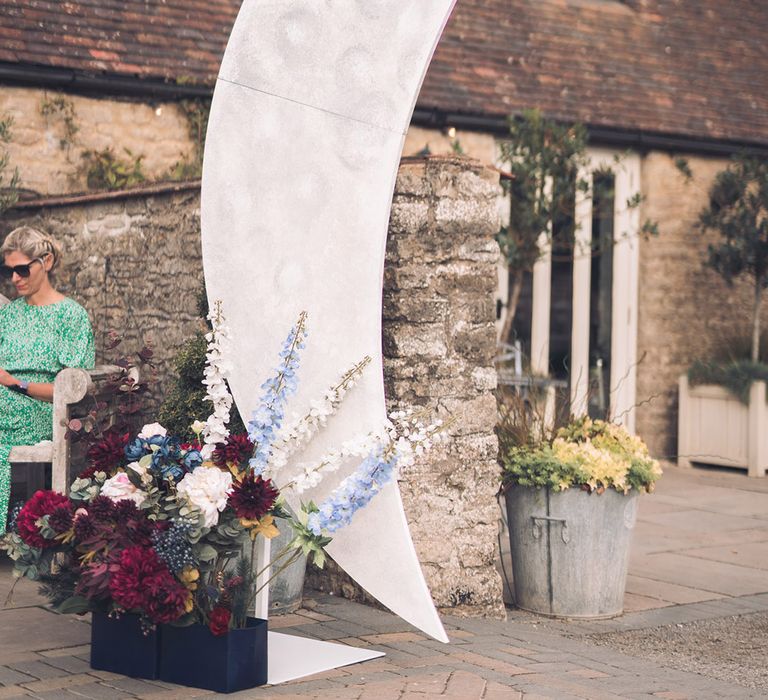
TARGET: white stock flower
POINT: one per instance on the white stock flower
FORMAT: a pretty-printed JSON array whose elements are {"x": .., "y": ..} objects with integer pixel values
[
  {"x": 207, "y": 488},
  {"x": 216, "y": 369},
  {"x": 120, "y": 488},
  {"x": 152, "y": 429}
]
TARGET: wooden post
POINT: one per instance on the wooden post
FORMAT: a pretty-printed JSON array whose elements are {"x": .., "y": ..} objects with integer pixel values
[
  {"x": 582, "y": 290},
  {"x": 757, "y": 450},
  {"x": 683, "y": 424}
]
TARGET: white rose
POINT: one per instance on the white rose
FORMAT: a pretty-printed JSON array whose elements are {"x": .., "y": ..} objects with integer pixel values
[
  {"x": 152, "y": 429},
  {"x": 207, "y": 488},
  {"x": 120, "y": 488},
  {"x": 197, "y": 427}
]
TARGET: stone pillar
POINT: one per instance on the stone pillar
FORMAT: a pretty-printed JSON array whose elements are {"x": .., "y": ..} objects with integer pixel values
[
  {"x": 439, "y": 342},
  {"x": 439, "y": 345}
]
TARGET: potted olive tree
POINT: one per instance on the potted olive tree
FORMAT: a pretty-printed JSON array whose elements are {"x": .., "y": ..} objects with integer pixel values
[
  {"x": 722, "y": 411},
  {"x": 571, "y": 501}
]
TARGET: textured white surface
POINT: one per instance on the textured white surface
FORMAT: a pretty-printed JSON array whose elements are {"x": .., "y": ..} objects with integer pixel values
[
  {"x": 290, "y": 657},
  {"x": 304, "y": 139}
]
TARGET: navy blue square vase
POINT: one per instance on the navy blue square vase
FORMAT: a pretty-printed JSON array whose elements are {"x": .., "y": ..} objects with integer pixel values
[
  {"x": 119, "y": 645},
  {"x": 235, "y": 661}
]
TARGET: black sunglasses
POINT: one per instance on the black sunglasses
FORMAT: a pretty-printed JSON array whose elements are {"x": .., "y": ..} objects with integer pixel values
[{"x": 6, "y": 272}]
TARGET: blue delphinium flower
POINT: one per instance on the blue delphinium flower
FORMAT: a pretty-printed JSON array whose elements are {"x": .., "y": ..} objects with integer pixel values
[
  {"x": 354, "y": 493},
  {"x": 268, "y": 416}
]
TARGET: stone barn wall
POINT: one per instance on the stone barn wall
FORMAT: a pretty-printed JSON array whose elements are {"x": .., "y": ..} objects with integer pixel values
[
  {"x": 686, "y": 311},
  {"x": 133, "y": 260}
]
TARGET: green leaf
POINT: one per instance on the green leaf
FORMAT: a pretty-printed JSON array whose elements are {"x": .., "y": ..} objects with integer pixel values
[{"x": 76, "y": 605}]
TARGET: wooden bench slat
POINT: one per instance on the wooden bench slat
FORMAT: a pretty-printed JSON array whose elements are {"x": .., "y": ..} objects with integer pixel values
[{"x": 41, "y": 452}]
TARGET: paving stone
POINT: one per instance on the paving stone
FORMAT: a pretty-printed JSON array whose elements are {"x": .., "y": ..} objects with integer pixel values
[
  {"x": 134, "y": 686},
  {"x": 9, "y": 692},
  {"x": 99, "y": 691},
  {"x": 43, "y": 686},
  {"x": 72, "y": 664},
  {"x": 66, "y": 651},
  {"x": 10, "y": 676},
  {"x": 58, "y": 694},
  {"x": 39, "y": 670}
]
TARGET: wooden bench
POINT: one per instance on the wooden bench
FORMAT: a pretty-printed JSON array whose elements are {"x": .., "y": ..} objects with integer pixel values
[{"x": 76, "y": 392}]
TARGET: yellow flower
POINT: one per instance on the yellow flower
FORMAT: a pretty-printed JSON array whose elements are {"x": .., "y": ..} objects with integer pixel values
[
  {"x": 266, "y": 526},
  {"x": 189, "y": 577},
  {"x": 189, "y": 603}
]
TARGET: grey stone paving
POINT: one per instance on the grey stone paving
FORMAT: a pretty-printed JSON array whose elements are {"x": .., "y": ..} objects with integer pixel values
[{"x": 44, "y": 655}]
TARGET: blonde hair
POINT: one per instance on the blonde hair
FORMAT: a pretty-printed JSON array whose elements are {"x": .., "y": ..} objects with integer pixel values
[{"x": 32, "y": 243}]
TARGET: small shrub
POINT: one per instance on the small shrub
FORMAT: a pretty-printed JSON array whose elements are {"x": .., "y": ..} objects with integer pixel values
[{"x": 736, "y": 376}]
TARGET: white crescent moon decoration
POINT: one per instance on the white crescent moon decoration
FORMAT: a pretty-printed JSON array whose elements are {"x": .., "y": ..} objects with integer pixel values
[{"x": 305, "y": 135}]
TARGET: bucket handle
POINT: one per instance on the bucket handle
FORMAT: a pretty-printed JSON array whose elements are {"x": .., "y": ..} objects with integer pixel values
[{"x": 536, "y": 527}]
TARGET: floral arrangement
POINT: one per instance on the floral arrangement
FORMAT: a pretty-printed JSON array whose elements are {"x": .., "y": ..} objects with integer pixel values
[
  {"x": 593, "y": 455},
  {"x": 168, "y": 529}
]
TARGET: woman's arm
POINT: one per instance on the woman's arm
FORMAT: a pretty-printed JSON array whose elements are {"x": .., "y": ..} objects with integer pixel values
[{"x": 44, "y": 392}]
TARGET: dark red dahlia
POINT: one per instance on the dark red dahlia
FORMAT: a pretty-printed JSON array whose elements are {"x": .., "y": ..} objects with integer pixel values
[
  {"x": 253, "y": 497},
  {"x": 141, "y": 581},
  {"x": 108, "y": 454},
  {"x": 166, "y": 597},
  {"x": 61, "y": 519},
  {"x": 237, "y": 449},
  {"x": 85, "y": 528},
  {"x": 102, "y": 508},
  {"x": 42, "y": 503},
  {"x": 218, "y": 621}
]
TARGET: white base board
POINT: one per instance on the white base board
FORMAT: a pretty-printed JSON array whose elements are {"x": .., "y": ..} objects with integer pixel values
[{"x": 292, "y": 657}]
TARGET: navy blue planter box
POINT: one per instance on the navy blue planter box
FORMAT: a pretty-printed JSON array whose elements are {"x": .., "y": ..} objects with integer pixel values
[
  {"x": 235, "y": 661},
  {"x": 119, "y": 645}
]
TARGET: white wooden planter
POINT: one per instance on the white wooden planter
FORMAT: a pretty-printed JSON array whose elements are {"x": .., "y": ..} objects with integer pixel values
[{"x": 714, "y": 427}]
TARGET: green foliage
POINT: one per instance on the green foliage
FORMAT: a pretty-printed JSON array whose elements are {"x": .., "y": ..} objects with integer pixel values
[
  {"x": 9, "y": 177},
  {"x": 196, "y": 113},
  {"x": 63, "y": 108},
  {"x": 184, "y": 401},
  {"x": 590, "y": 454},
  {"x": 106, "y": 171},
  {"x": 684, "y": 168},
  {"x": 736, "y": 376},
  {"x": 540, "y": 151},
  {"x": 738, "y": 211}
]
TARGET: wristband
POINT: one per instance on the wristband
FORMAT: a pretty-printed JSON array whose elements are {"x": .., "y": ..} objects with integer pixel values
[{"x": 22, "y": 387}]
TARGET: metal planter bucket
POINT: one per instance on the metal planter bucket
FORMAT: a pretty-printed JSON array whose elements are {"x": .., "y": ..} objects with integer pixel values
[{"x": 570, "y": 550}]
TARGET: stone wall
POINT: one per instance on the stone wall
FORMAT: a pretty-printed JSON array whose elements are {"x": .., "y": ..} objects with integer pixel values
[
  {"x": 134, "y": 262},
  {"x": 50, "y": 162},
  {"x": 686, "y": 311}
]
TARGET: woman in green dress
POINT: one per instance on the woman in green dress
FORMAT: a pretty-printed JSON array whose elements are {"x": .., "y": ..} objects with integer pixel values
[{"x": 41, "y": 332}]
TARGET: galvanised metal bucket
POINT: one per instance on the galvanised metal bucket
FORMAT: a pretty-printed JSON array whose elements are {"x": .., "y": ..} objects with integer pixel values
[
  {"x": 286, "y": 589},
  {"x": 570, "y": 550}
]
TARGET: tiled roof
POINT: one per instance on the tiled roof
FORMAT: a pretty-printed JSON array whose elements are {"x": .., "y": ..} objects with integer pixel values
[{"x": 689, "y": 67}]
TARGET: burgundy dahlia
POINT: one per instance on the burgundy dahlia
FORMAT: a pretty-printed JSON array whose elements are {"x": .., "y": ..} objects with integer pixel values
[
  {"x": 253, "y": 497},
  {"x": 218, "y": 621},
  {"x": 102, "y": 508},
  {"x": 61, "y": 519},
  {"x": 237, "y": 449},
  {"x": 108, "y": 453},
  {"x": 85, "y": 527},
  {"x": 140, "y": 581},
  {"x": 42, "y": 503}
]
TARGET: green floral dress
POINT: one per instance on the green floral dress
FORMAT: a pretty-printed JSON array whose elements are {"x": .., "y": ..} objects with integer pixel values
[{"x": 35, "y": 343}]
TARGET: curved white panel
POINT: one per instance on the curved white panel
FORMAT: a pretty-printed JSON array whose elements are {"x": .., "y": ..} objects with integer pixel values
[{"x": 304, "y": 140}]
